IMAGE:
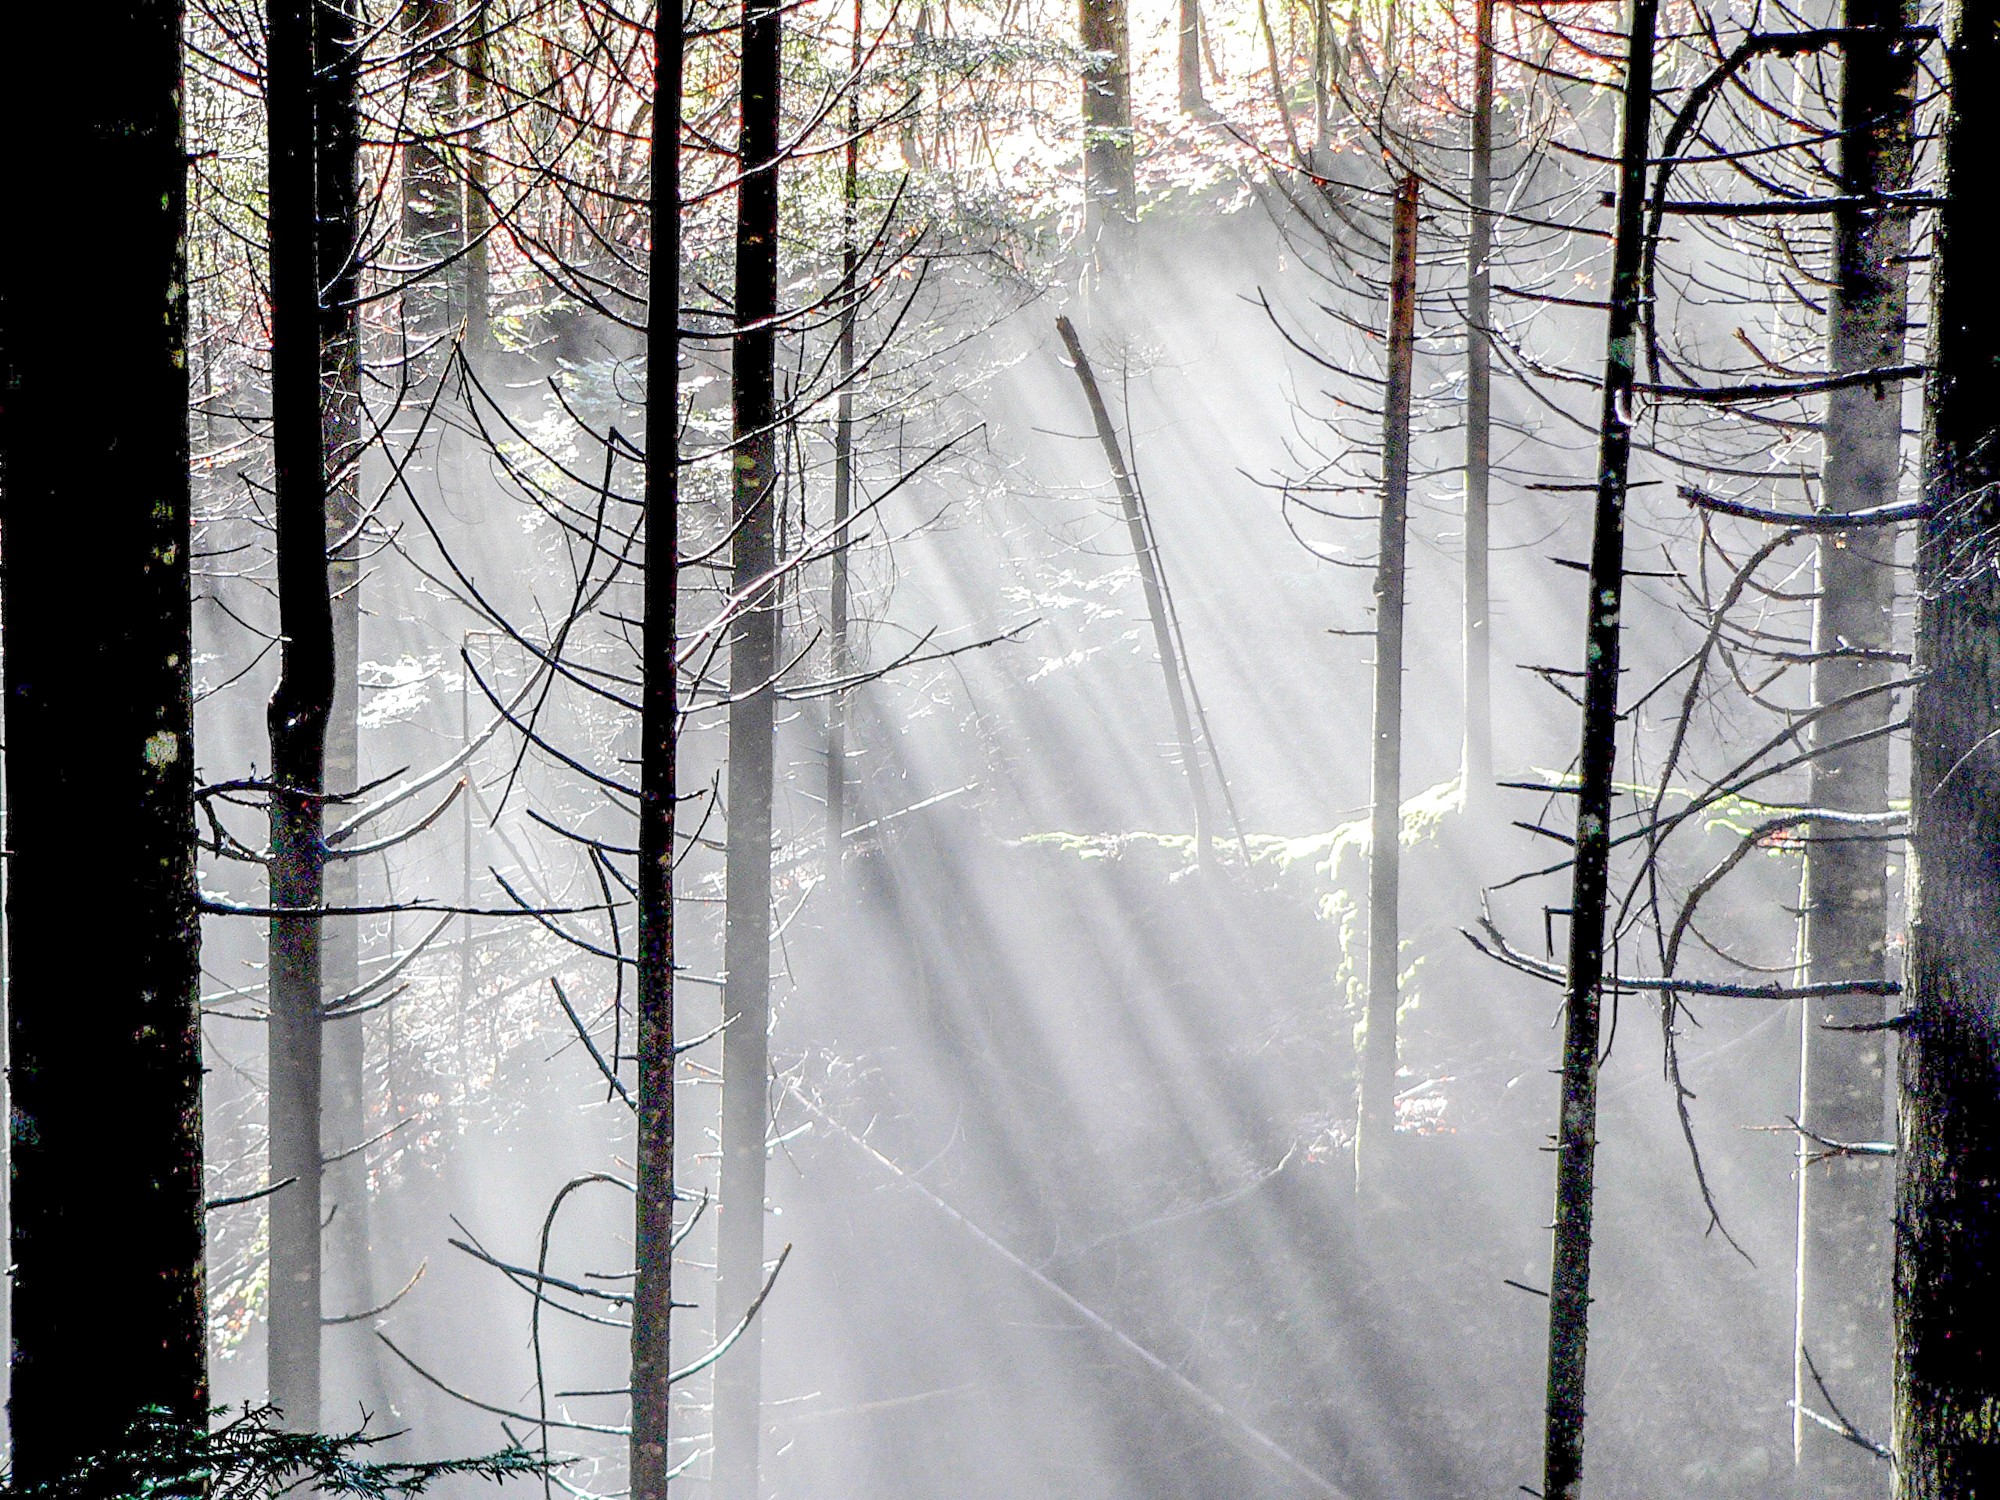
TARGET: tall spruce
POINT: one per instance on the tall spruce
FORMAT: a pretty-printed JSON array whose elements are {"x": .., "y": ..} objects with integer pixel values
[
  {"x": 1375, "y": 1129},
  {"x": 344, "y": 1111},
  {"x": 659, "y": 738},
  {"x": 103, "y": 1035},
  {"x": 1576, "y": 1128},
  {"x": 297, "y": 718},
  {"x": 753, "y": 663}
]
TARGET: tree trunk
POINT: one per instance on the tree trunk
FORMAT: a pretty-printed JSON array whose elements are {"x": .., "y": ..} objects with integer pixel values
[
  {"x": 297, "y": 717},
  {"x": 345, "y": 1122},
  {"x": 753, "y": 660},
  {"x": 1375, "y": 1129},
  {"x": 103, "y": 1036},
  {"x": 1843, "y": 1247},
  {"x": 1576, "y": 1131},
  {"x": 1188, "y": 58},
  {"x": 477, "y": 267},
  {"x": 1110, "y": 197},
  {"x": 1147, "y": 563},
  {"x": 1947, "y": 1258},
  {"x": 433, "y": 223},
  {"x": 1477, "y": 771},
  {"x": 659, "y": 738},
  {"x": 839, "y": 650}
]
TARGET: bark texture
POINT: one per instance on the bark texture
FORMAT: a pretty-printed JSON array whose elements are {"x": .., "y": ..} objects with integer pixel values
[
  {"x": 297, "y": 720},
  {"x": 746, "y": 995},
  {"x": 1110, "y": 196},
  {"x": 1576, "y": 1128},
  {"x": 659, "y": 737},
  {"x": 1478, "y": 766},
  {"x": 1947, "y": 1229},
  {"x": 433, "y": 219},
  {"x": 104, "y": 1045},
  {"x": 1375, "y": 1129},
  {"x": 345, "y": 1105},
  {"x": 1842, "y": 1319}
]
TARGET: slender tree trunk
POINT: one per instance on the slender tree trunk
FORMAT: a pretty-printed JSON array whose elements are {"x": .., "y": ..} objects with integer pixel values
[
  {"x": 477, "y": 267},
  {"x": 1947, "y": 1225},
  {"x": 1844, "y": 1242},
  {"x": 1478, "y": 765},
  {"x": 103, "y": 1036},
  {"x": 753, "y": 661},
  {"x": 839, "y": 650},
  {"x": 345, "y": 1124},
  {"x": 1576, "y": 1130},
  {"x": 1375, "y": 1130},
  {"x": 1149, "y": 583},
  {"x": 1188, "y": 58},
  {"x": 659, "y": 738},
  {"x": 297, "y": 716},
  {"x": 433, "y": 222},
  {"x": 1110, "y": 196}
]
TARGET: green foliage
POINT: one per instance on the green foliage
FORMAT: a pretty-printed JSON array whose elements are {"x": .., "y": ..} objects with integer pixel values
[{"x": 247, "y": 1457}]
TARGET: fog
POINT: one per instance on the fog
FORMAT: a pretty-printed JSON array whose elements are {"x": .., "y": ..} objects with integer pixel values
[{"x": 1062, "y": 1117}]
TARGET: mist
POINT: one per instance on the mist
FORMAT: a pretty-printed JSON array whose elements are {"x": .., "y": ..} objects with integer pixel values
[{"x": 1069, "y": 1001}]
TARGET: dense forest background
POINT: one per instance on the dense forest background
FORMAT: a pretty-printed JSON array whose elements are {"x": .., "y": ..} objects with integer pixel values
[{"x": 1239, "y": 636}]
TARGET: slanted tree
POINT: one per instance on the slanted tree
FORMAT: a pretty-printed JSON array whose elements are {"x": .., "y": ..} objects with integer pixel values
[
  {"x": 1844, "y": 1243},
  {"x": 1947, "y": 1220},
  {"x": 102, "y": 916}
]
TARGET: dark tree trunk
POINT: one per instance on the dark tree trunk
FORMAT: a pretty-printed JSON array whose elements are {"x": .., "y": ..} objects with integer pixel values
[
  {"x": 1947, "y": 1227},
  {"x": 659, "y": 737},
  {"x": 1844, "y": 1242},
  {"x": 1478, "y": 766},
  {"x": 1576, "y": 1129},
  {"x": 1375, "y": 1129},
  {"x": 345, "y": 1121},
  {"x": 1110, "y": 197},
  {"x": 297, "y": 717},
  {"x": 1147, "y": 563},
  {"x": 103, "y": 1038},
  {"x": 753, "y": 660}
]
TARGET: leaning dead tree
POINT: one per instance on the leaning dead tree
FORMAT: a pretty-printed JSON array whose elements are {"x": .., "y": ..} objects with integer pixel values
[{"x": 1137, "y": 529}]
